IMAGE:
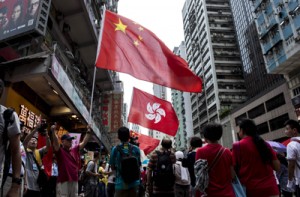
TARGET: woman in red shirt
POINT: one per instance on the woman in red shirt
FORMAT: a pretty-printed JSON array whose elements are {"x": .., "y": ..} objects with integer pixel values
[
  {"x": 254, "y": 161},
  {"x": 222, "y": 173}
]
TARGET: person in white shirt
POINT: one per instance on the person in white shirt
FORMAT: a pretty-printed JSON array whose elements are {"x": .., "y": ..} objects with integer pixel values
[
  {"x": 292, "y": 129},
  {"x": 182, "y": 180}
]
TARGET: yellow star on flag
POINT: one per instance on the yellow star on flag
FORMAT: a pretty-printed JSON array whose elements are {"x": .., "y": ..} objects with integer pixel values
[
  {"x": 120, "y": 26},
  {"x": 141, "y": 38},
  {"x": 141, "y": 28},
  {"x": 136, "y": 43}
]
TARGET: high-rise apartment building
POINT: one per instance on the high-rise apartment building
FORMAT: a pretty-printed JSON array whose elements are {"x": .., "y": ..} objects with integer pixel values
[
  {"x": 269, "y": 103},
  {"x": 212, "y": 53},
  {"x": 182, "y": 106},
  {"x": 278, "y": 25}
]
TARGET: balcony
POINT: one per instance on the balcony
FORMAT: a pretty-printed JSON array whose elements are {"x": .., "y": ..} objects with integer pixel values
[
  {"x": 287, "y": 31},
  {"x": 293, "y": 5},
  {"x": 297, "y": 22},
  {"x": 82, "y": 18}
]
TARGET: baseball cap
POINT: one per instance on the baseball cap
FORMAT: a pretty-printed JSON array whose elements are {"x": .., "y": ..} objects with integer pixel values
[{"x": 67, "y": 137}]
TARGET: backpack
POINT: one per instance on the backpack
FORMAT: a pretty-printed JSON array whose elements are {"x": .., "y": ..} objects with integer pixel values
[
  {"x": 7, "y": 120},
  {"x": 202, "y": 171},
  {"x": 130, "y": 169},
  {"x": 163, "y": 174},
  {"x": 83, "y": 177}
]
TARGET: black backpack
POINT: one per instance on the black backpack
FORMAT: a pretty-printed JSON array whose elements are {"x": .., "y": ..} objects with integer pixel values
[
  {"x": 163, "y": 175},
  {"x": 130, "y": 169},
  {"x": 7, "y": 120}
]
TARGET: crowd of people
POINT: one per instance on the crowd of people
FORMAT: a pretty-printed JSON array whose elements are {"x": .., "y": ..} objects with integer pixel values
[{"x": 204, "y": 170}]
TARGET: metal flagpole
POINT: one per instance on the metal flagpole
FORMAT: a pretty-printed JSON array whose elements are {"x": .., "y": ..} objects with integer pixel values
[{"x": 95, "y": 69}]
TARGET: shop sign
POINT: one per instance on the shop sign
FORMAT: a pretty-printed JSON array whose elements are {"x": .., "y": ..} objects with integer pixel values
[
  {"x": 29, "y": 118},
  {"x": 116, "y": 112}
]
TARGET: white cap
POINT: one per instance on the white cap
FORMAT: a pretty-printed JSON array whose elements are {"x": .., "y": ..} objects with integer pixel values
[{"x": 179, "y": 155}]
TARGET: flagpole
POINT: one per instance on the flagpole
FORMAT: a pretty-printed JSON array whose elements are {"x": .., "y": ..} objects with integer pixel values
[{"x": 95, "y": 68}]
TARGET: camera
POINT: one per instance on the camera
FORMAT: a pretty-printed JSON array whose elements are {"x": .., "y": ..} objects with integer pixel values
[{"x": 42, "y": 129}]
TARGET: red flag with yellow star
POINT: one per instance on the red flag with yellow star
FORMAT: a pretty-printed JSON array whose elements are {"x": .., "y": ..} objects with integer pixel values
[{"x": 128, "y": 47}]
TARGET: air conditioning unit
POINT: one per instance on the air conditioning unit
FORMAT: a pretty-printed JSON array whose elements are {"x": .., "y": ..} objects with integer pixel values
[{"x": 297, "y": 38}]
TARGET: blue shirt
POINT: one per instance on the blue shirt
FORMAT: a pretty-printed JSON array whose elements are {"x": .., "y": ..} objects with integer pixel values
[{"x": 115, "y": 160}]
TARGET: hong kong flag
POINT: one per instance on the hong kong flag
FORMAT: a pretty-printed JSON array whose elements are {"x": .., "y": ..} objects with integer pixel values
[
  {"x": 128, "y": 47},
  {"x": 147, "y": 143},
  {"x": 152, "y": 112}
]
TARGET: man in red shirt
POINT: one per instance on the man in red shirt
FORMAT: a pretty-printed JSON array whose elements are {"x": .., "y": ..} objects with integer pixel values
[{"x": 68, "y": 159}]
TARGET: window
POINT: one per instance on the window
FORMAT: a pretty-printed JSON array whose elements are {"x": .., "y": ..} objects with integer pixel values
[
  {"x": 262, "y": 128},
  {"x": 278, "y": 122},
  {"x": 257, "y": 111},
  {"x": 275, "y": 102}
]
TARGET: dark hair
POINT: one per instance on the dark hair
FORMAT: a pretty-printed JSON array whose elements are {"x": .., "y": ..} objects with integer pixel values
[
  {"x": 282, "y": 160},
  {"x": 196, "y": 142},
  {"x": 166, "y": 143},
  {"x": 123, "y": 134},
  {"x": 212, "y": 131},
  {"x": 293, "y": 124},
  {"x": 250, "y": 129},
  {"x": 96, "y": 154}
]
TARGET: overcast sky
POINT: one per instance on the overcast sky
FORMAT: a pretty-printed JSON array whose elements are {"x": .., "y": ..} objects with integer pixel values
[{"x": 163, "y": 18}]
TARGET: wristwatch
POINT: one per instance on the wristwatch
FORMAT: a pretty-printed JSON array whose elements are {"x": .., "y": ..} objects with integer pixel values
[{"x": 17, "y": 181}]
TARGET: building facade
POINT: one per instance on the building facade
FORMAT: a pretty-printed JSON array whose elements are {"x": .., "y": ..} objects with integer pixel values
[
  {"x": 278, "y": 25},
  {"x": 182, "y": 106},
  {"x": 48, "y": 63},
  {"x": 212, "y": 53},
  {"x": 265, "y": 110}
]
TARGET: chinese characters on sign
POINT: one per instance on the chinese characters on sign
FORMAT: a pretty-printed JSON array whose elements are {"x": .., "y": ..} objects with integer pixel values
[
  {"x": 111, "y": 110},
  {"x": 116, "y": 112},
  {"x": 29, "y": 118}
]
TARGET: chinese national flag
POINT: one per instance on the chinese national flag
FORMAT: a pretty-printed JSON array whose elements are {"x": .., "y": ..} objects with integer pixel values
[
  {"x": 152, "y": 112},
  {"x": 130, "y": 48},
  {"x": 147, "y": 143}
]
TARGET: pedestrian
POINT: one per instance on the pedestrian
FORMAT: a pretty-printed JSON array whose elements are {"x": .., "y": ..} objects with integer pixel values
[
  {"x": 68, "y": 162},
  {"x": 102, "y": 179},
  {"x": 254, "y": 161},
  {"x": 13, "y": 139},
  {"x": 183, "y": 180},
  {"x": 34, "y": 158},
  {"x": 126, "y": 186},
  {"x": 219, "y": 161},
  {"x": 282, "y": 176},
  {"x": 111, "y": 182},
  {"x": 91, "y": 183},
  {"x": 292, "y": 129},
  {"x": 160, "y": 173},
  {"x": 195, "y": 142}
]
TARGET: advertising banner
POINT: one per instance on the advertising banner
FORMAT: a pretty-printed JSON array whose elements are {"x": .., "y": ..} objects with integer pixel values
[{"x": 18, "y": 17}]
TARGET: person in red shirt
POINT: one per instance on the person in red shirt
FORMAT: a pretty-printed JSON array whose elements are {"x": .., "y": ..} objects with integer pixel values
[
  {"x": 222, "y": 173},
  {"x": 68, "y": 159},
  {"x": 254, "y": 161}
]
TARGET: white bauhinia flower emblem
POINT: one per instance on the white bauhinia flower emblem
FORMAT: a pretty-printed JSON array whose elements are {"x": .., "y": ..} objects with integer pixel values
[{"x": 155, "y": 112}]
